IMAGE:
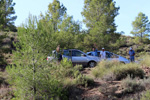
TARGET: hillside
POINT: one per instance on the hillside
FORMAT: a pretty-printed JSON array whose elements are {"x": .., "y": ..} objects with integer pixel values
[
  {"x": 139, "y": 48},
  {"x": 97, "y": 86},
  {"x": 6, "y": 47}
]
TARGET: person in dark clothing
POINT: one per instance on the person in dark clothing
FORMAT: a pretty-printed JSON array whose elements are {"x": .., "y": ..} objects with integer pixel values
[
  {"x": 58, "y": 53},
  {"x": 131, "y": 54}
]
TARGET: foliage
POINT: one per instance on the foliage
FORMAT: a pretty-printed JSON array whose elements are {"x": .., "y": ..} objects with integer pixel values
[
  {"x": 131, "y": 85},
  {"x": 146, "y": 95},
  {"x": 69, "y": 75},
  {"x": 56, "y": 13},
  {"x": 103, "y": 68},
  {"x": 131, "y": 69},
  {"x": 68, "y": 31},
  {"x": 2, "y": 50},
  {"x": 99, "y": 18},
  {"x": 59, "y": 28},
  {"x": 6, "y": 18},
  {"x": 116, "y": 71},
  {"x": 29, "y": 74},
  {"x": 144, "y": 60},
  {"x": 141, "y": 27}
]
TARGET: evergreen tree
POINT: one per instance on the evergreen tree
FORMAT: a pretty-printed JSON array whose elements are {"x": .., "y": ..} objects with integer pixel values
[
  {"x": 30, "y": 73},
  {"x": 59, "y": 27},
  {"x": 6, "y": 18},
  {"x": 55, "y": 13},
  {"x": 141, "y": 27},
  {"x": 48, "y": 25},
  {"x": 99, "y": 18},
  {"x": 68, "y": 30}
]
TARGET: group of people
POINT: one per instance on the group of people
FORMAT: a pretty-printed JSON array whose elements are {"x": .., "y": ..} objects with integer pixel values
[
  {"x": 102, "y": 53},
  {"x": 95, "y": 53}
]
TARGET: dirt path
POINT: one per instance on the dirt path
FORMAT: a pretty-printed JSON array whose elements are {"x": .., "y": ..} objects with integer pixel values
[{"x": 92, "y": 92}]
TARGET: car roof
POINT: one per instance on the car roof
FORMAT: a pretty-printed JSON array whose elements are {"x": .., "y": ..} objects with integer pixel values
[
  {"x": 71, "y": 49},
  {"x": 98, "y": 51}
]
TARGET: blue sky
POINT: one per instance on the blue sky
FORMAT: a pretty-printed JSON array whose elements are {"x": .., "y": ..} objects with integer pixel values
[{"x": 129, "y": 9}]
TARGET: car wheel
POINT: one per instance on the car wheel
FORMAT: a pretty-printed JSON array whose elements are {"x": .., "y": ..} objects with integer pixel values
[{"x": 92, "y": 64}]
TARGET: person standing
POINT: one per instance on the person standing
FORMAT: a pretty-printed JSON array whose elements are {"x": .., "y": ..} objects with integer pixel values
[
  {"x": 103, "y": 54},
  {"x": 94, "y": 52},
  {"x": 58, "y": 53},
  {"x": 131, "y": 54}
]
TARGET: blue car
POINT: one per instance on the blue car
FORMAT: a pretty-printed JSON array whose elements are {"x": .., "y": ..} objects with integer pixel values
[{"x": 111, "y": 56}]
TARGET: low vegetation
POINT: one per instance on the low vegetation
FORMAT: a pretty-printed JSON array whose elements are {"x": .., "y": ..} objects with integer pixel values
[
  {"x": 145, "y": 60},
  {"x": 113, "y": 70},
  {"x": 48, "y": 82},
  {"x": 131, "y": 85}
]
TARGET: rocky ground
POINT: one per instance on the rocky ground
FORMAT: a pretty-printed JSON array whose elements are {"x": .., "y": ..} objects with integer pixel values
[{"x": 104, "y": 90}]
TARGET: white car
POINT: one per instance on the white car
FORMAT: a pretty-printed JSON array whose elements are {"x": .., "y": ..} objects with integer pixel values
[{"x": 111, "y": 56}]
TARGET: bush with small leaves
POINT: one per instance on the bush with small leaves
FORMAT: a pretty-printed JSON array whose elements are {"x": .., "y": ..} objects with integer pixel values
[
  {"x": 146, "y": 95},
  {"x": 112, "y": 70},
  {"x": 131, "y": 69},
  {"x": 131, "y": 85}
]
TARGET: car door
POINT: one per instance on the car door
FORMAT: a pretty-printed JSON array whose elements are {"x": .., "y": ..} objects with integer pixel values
[
  {"x": 67, "y": 54},
  {"x": 79, "y": 57}
]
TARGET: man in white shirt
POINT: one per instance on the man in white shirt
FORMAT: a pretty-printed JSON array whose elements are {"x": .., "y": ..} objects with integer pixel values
[{"x": 103, "y": 54}]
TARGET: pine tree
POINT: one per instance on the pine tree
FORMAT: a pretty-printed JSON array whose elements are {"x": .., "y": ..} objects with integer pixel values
[
  {"x": 56, "y": 12},
  {"x": 141, "y": 27},
  {"x": 68, "y": 30},
  {"x": 99, "y": 16},
  {"x": 30, "y": 72},
  {"x": 60, "y": 28},
  {"x": 6, "y": 18}
]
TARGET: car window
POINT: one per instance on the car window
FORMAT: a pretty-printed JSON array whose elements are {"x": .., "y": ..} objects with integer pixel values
[
  {"x": 66, "y": 52},
  {"x": 108, "y": 55},
  {"x": 76, "y": 53},
  {"x": 89, "y": 53}
]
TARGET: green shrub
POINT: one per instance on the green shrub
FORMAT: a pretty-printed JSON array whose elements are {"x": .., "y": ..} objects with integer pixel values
[
  {"x": 145, "y": 60},
  {"x": 68, "y": 74},
  {"x": 131, "y": 69},
  {"x": 112, "y": 70},
  {"x": 131, "y": 85},
  {"x": 30, "y": 85},
  {"x": 146, "y": 95},
  {"x": 103, "y": 68}
]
